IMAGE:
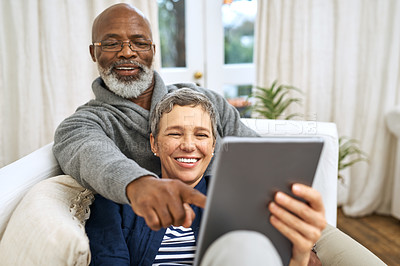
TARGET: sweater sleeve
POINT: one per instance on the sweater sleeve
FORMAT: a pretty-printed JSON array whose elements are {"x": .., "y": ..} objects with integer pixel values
[{"x": 87, "y": 153}]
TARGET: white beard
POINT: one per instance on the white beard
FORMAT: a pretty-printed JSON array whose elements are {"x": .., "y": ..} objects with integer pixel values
[{"x": 127, "y": 87}]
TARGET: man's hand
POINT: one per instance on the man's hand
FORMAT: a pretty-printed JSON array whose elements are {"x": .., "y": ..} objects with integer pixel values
[
  {"x": 164, "y": 202},
  {"x": 301, "y": 223}
]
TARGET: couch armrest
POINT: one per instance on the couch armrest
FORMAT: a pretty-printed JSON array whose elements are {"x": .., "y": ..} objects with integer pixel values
[
  {"x": 18, "y": 177},
  {"x": 325, "y": 180},
  {"x": 393, "y": 123}
]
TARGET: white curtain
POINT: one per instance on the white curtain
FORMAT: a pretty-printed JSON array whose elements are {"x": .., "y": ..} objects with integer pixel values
[
  {"x": 45, "y": 67},
  {"x": 345, "y": 57}
]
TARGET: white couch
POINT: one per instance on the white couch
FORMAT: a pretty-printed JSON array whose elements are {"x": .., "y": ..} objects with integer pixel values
[{"x": 19, "y": 177}]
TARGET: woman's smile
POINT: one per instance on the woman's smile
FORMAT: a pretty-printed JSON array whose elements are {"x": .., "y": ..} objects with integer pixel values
[{"x": 187, "y": 162}]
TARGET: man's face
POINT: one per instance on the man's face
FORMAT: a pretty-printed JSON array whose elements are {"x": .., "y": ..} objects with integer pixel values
[{"x": 127, "y": 73}]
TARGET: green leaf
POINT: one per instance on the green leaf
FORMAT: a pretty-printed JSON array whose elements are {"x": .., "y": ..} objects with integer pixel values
[{"x": 349, "y": 153}]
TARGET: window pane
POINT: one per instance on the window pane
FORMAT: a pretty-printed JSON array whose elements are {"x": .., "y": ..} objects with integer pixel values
[
  {"x": 238, "y": 18},
  {"x": 171, "y": 22},
  {"x": 238, "y": 96}
]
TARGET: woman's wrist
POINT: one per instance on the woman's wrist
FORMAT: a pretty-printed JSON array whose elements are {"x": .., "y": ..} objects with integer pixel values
[
  {"x": 310, "y": 260},
  {"x": 303, "y": 261}
]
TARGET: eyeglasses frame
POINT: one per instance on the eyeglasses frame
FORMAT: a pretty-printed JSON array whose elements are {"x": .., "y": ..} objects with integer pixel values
[{"x": 129, "y": 42}]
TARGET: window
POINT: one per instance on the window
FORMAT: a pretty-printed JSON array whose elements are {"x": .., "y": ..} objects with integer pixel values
[
  {"x": 238, "y": 20},
  {"x": 171, "y": 15}
]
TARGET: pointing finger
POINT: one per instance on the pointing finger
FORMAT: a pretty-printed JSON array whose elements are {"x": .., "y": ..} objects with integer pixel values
[{"x": 193, "y": 196}]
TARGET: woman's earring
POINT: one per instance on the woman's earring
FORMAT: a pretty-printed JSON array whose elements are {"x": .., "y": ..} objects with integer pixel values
[
  {"x": 212, "y": 154},
  {"x": 155, "y": 154}
]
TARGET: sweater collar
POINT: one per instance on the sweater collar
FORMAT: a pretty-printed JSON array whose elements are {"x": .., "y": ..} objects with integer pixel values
[{"x": 159, "y": 90}]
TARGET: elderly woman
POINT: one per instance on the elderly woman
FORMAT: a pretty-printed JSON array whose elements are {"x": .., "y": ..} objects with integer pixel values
[{"x": 183, "y": 136}]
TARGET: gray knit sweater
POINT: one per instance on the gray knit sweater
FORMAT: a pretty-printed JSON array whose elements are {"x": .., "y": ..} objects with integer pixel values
[{"x": 105, "y": 144}]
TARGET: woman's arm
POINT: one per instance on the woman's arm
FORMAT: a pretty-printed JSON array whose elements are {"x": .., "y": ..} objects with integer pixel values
[{"x": 300, "y": 222}]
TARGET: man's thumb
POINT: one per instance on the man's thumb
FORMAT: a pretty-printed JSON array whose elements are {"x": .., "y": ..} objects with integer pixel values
[{"x": 189, "y": 215}]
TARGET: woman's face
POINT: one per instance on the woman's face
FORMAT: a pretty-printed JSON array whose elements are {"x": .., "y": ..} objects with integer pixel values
[{"x": 185, "y": 143}]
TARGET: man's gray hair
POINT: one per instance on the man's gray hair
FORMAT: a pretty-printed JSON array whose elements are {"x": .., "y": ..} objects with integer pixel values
[{"x": 182, "y": 97}]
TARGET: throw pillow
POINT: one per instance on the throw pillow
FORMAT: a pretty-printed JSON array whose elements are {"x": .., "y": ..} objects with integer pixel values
[{"x": 47, "y": 227}]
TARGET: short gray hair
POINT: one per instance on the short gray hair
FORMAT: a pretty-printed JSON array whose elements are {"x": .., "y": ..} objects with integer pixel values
[{"x": 182, "y": 97}]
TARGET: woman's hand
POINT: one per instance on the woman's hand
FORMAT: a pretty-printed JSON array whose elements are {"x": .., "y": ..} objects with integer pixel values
[{"x": 301, "y": 223}]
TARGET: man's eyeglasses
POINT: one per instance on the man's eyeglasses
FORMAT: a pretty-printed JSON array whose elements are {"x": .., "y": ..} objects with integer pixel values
[{"x": 116, "y": 46}]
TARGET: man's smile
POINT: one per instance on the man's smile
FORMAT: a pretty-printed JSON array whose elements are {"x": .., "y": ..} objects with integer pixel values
[{"x": 127, "y": 69}]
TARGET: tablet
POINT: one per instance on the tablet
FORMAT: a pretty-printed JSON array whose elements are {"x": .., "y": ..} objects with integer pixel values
[{"x": 246, "y": 174}]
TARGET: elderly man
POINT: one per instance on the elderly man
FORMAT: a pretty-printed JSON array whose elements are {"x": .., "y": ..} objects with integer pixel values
[{"x": 105, "y": 144}]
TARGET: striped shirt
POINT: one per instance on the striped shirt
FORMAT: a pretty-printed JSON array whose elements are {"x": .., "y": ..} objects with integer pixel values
[{"x": 177, "y": 247}]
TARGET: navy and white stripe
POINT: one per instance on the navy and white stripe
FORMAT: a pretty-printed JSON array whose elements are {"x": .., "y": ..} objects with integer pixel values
[{"x": 177, "y": 247}]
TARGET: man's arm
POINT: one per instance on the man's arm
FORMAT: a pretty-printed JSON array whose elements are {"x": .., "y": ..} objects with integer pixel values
[{"x": 84, "y": 151}]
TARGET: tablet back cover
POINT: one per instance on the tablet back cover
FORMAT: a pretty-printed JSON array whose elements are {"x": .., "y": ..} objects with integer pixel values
[{"x": 246, "y": 174}]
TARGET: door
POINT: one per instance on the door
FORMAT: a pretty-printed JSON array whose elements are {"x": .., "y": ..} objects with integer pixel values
[{"x": 209, "y": 42}]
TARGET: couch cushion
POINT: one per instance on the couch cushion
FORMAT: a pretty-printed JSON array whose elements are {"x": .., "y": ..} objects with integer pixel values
[
  {"x": 17, "y": 178},
  {"x": 47, "y": 227}
]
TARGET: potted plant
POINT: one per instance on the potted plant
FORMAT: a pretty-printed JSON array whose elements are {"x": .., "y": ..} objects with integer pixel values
[{"x": 272, "y": 102}]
